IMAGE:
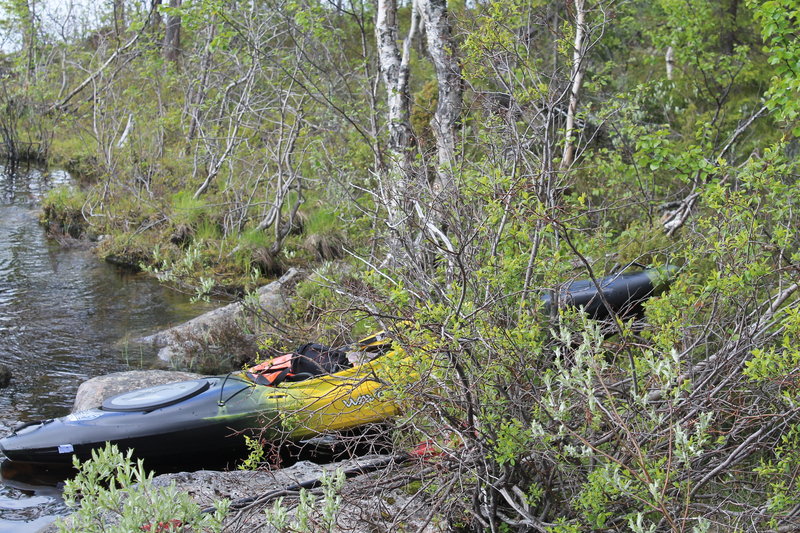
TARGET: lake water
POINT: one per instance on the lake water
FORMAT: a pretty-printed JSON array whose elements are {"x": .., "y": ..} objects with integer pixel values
[{"x": 64, "y": 318}]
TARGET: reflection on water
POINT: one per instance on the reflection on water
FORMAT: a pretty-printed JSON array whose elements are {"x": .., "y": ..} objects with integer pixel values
[
  {"x": 63, "y": 314},
  {"x": 29, "y": 499}
]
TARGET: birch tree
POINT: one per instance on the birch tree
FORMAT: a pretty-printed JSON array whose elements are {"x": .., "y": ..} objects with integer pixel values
[
  {"x": 442, "y": 49},
  {"x": 395, "y": 179},
  {"x": 576, "y": 82},
  {"x": 394, "y": 70}
]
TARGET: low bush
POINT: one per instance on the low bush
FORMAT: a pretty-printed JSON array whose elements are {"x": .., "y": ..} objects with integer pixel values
[{"x": 113, "y": 494}]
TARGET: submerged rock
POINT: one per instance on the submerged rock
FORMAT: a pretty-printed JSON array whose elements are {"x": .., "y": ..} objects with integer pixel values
[
  {"x": 5, "y": 376},
  {"x": 92, "y": 392}
]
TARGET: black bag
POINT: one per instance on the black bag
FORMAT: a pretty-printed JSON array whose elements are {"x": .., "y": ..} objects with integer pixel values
[{"x": 317, "y": 359}]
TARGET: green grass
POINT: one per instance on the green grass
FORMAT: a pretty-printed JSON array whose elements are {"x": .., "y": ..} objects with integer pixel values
[
  {"x": 207, "y": 230},
  {"x": 322, "y": 221},
  {"x": 255, "y": 238},
  {"x": 186, "y": 209}
]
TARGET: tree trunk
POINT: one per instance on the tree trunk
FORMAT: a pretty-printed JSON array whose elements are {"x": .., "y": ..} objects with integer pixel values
[
  {"x": 394, "y": 181},
  {"x": 172, "y": 34},
  {"x": 119, "y": 17},
  {"x": 442, "y": 50},
  {"x": 669, "y": 58},
  {"x": 154, "y": 19},
  {"x": 198, "y": 96},
  {"x": 729, "y": 37},
  {"x": 576, "y": 81},
  {"x": 395, "y": 75}
]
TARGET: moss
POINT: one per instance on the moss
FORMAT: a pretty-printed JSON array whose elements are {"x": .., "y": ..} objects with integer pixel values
[
  {"x": 62, "y": 212},
  {"x": 133, "y": 250},
  {"x": 75, "y": 154},
  {"x": 412, "y": 488}
]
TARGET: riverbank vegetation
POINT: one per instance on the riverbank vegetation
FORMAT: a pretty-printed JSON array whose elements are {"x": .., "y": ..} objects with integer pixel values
[{"x": 439, "y": 165}]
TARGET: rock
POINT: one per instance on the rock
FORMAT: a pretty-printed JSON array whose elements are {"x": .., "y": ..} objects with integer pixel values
[
  {"x": 180, "y": 345},
  {"x": 366, "y": 505},
  {"x": 92, "y": 392},
  {"x": 5, "y": 376}
]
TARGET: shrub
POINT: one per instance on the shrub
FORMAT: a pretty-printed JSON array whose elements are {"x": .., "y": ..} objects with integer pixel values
[{"x": 113, "y": 494}]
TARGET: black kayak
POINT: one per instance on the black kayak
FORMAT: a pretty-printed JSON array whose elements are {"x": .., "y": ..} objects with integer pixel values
[
  {"x": 624, "y": 292},
  {"x": 166, "y": 422},
  {"x": 206, "y": 417}
]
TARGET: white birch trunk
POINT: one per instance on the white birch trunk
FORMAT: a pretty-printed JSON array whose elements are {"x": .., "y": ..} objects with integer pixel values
[
  {"x": 394, "y": 69},
  {"x": 394, "y": 181},
  {"x": 669, "y": 57},
  {"x": 576, "y": 79},
  {"x": 441, "y": 48}
]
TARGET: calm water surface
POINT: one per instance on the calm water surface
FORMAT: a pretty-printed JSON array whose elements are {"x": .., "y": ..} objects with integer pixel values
[{"x": 64, "y": 318}]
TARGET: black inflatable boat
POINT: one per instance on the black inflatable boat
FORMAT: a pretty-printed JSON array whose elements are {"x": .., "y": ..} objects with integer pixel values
[{"x": 624, "y": 293}]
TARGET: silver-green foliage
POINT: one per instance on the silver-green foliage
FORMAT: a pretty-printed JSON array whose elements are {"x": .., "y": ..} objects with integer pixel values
[
  {"x": 278, "y": 515},
  {"x": 113, "y": 494}
]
